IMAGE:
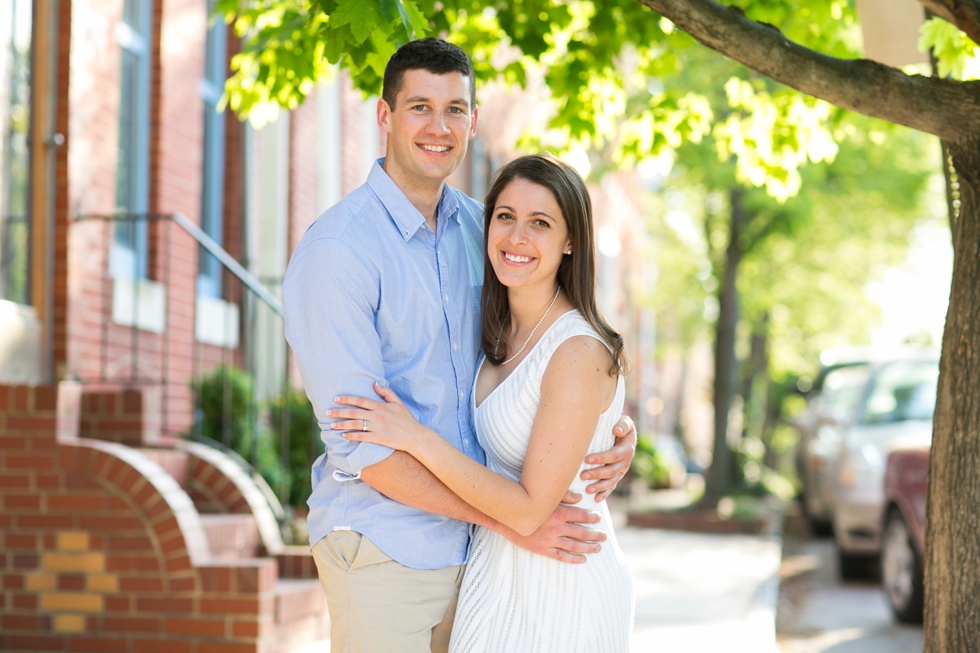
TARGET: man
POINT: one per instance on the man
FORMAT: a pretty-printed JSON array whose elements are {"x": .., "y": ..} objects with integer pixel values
[{"x": 385, "y": 287}]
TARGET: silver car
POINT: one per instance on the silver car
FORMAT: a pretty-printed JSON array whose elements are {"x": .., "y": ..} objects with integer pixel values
[
  {"x": 831, "y": 409},
  {"x": 898, "y": 403}
]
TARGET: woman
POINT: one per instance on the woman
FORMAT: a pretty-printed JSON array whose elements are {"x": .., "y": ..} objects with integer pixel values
[{"x": 550, "y": 395}]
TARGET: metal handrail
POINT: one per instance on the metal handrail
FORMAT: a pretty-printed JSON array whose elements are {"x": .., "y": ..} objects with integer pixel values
[{"x": 207, "y": 243}]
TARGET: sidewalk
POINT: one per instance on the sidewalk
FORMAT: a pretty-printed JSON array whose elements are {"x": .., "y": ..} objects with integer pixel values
[{"x": 698, "y": 592}]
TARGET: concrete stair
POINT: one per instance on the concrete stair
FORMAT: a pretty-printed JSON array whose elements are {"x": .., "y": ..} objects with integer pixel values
[{"x": 232, "y": 536}]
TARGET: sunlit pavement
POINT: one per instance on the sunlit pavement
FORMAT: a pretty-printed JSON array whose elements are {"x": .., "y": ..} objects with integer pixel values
[
  {"x": 818, "y": 613},
  {"x": 697, "y": 592}
]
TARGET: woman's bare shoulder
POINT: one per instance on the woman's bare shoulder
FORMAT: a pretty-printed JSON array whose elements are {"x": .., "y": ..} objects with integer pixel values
[{"x": 583, "y": 356}]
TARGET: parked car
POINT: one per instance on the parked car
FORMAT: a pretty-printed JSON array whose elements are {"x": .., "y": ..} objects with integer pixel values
[
  {"x": 904, "y": 527},
  {"x": 831, "y": 407},
  {"x": 898, "y": 404}
]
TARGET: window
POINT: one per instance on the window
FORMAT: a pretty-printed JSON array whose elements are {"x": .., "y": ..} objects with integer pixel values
[
  {"x": 215, "y": 66},
  {"x": 843, "y": 389},
  {"x": 129, "y": 254},
  {"x": 903, "y": 391},
  {"x": 15, "y": 118}
]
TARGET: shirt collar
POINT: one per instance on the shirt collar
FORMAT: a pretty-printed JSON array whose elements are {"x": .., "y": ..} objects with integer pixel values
[{"x": 404, "y": 214}]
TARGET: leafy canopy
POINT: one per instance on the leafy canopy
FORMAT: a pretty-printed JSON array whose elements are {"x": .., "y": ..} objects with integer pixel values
[
  {"x": 605, "y": 64},
  {"x": 610, "y": 66}
]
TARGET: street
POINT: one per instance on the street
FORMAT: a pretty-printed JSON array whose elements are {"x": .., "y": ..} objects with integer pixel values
[{"x": 819, "y": 613}]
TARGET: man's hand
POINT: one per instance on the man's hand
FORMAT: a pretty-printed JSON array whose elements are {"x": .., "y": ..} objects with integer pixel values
[
  {"x": 563, "y": 537},
  {"x": 614, "y": 463}
]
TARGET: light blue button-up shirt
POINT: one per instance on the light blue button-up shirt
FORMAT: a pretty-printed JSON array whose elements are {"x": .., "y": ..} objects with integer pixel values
[{"x": 372, "y": 294}]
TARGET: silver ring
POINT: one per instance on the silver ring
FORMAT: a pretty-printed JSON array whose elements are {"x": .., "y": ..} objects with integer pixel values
[{"x": 364, "y": 428}]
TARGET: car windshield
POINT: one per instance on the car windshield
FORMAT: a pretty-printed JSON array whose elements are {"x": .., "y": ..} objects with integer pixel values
[
  {"x": 904, "y": 391},
  {"x": 842, "y": 389}
]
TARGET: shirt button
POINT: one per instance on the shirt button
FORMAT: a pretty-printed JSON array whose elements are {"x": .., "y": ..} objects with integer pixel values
[
  {"x": 461, "y": 394},
  {"x": 447, "y": 299},
  {"x": 455, "y": 346}
]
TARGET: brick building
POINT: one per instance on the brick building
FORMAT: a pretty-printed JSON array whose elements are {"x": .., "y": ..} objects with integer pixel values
[{"x": 117, "y": 532}]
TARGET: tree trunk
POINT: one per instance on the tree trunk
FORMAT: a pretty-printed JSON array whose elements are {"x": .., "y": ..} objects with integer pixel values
[
  {"x": 952, "y": 564},
  {"x": 721, "y": 473},
  {"x": 755, "y": 382},
  {"x": 755, "y": 390}
]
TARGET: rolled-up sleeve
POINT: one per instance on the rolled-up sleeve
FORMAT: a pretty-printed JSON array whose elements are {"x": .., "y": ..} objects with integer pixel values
[{"x": 331, "y": 295}]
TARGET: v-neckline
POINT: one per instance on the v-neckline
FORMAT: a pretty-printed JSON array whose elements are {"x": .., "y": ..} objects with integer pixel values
[{"x": 479, "y": 369}]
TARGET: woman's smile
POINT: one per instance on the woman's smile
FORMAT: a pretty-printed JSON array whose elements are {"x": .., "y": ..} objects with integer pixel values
[
  {"x": 527, "y": 236},
  {"x": 517, "y": 259}
]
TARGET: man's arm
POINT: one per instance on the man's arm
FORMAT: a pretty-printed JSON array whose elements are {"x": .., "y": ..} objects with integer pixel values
[
  {"x": 404, "y": 479},
  {"x": 614, "y": 463}
]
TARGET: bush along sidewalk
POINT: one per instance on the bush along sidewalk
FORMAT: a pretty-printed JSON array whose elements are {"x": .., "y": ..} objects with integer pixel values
[{"x": 228, "y": 413}]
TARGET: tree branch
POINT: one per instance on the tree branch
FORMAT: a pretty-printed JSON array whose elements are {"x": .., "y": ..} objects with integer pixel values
[
  {"x": 946, "y": 108},
  {"x": 965, "y": 14}
]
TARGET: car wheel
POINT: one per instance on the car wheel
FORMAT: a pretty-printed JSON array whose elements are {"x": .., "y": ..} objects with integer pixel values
[
  {"x": 855, "y": 566},
  {"x": 901, "y": 570},
  {"x": 821, "y": 528}
]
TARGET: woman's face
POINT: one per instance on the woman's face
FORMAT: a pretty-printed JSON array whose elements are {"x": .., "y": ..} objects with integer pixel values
[{"x": 527, "y": 236}]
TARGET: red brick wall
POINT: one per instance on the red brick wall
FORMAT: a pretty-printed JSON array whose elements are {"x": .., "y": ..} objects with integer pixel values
[
  {"x": 93, "y": 347},
  {"x": 91, "y": 159},
  {"x": 211, "y": 490},
  {"x": 182, "y": 42},
  {"x": 99, "y": 553}
]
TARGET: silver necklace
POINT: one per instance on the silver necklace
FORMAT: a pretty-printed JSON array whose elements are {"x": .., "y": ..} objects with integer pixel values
[{"x": 531, "y": 335}]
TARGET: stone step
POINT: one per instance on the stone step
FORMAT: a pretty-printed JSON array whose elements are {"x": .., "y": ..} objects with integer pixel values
[
  {"x": 174, "y": 461},
  {"x": 232, "y": 536},
  {"x": 301, "y": 613}
]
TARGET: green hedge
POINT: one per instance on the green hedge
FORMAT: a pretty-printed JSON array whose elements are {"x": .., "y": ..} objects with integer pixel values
[{"x": 228, "y": 413}]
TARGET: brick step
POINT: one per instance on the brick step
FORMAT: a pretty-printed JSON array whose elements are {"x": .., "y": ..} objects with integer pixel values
[
  {"x": 301, "y": 613},
  {"x": 174, "y": 461},
  {"x": 232, "y": 536}
]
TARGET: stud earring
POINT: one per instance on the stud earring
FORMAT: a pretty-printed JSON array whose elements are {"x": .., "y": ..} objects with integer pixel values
[{"x": 568, "y": 251}]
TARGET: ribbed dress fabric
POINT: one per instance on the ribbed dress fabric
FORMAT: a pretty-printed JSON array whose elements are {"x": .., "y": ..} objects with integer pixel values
[{"x": 514, "y": 601}]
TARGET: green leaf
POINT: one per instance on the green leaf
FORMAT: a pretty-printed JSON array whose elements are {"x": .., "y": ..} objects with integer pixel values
[
  {"x": 363, "y": 17},
  {"x": 952, "y": 48}
]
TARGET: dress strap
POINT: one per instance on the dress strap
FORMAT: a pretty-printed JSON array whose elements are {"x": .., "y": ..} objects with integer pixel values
[{"x": 567, "y": 326}]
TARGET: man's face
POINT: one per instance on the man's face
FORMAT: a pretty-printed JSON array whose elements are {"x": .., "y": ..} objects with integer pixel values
[{"x": 429, "y": 128}]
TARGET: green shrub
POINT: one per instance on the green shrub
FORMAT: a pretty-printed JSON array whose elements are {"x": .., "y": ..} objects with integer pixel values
[
  {"x": 303, "y": 448},
  {"x": 236, "y": 426},
  {"x": 239, "y": 428},
  {"x": 649, "y": 465}
]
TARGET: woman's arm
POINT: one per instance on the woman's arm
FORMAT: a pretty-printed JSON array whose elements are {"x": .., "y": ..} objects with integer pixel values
[{"x": 575, "y": 390}]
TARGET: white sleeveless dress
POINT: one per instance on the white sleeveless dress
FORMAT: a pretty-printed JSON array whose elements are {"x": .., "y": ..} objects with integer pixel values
[{"x": 511, "y": 600}]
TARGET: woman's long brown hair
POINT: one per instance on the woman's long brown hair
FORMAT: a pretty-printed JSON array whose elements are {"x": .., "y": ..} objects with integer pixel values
[{"x": 576, "y": 272}]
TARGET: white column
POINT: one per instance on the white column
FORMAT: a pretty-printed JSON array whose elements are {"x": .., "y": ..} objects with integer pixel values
[{"x": 329, "y": 145}]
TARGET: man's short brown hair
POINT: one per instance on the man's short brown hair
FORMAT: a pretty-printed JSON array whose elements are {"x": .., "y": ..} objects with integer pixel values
[{"x": 432, "y": 55}]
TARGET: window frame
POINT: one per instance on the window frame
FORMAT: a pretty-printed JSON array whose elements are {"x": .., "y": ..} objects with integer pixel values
[
  {"x": 130, "y": 246},
  {"x": 209, "y": 278}
]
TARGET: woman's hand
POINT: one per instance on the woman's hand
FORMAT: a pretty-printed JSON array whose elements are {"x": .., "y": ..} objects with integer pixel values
[{"x": 386, "y": 423}]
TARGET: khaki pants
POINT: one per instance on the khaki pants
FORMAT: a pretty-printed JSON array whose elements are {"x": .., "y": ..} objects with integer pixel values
[{"x": 380, "y": 606}]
